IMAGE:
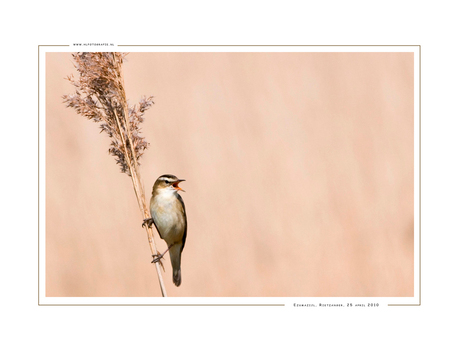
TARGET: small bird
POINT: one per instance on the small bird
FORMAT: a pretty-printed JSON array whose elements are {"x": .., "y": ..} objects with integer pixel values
[{"x": 168, "y": 214}]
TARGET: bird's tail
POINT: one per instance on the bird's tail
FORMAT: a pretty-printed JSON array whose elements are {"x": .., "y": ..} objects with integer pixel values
[
  {"x": 175, "y": 255},
  {"x": 177, "y": 277}
]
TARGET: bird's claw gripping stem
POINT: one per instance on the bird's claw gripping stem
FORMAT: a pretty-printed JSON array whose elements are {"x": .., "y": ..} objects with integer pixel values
[
  {"x": 157, "y": 258},
  {"x": 148, "y": 221}
]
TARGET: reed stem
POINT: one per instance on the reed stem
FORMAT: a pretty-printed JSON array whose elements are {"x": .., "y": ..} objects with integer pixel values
[{"x": 100, "y": 96}]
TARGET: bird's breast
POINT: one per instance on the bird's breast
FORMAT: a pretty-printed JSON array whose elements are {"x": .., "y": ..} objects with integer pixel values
[{"x": 166, "y": 211}]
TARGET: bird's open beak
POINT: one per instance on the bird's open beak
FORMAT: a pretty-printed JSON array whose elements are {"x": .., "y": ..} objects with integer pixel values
[{"x": 176, "y": 185}]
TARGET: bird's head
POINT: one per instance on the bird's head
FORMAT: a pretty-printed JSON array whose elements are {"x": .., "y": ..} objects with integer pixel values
[{"x": 167, "y": 183}]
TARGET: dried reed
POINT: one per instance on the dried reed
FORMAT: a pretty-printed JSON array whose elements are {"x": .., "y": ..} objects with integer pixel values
[{"x": 100, "y": 96}]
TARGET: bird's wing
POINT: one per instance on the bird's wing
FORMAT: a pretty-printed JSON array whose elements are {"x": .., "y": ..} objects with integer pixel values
[{"x": 185, "y": 218}]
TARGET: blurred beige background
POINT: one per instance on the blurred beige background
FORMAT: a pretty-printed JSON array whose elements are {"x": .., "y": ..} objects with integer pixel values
[{"x": 299, "y": 170}]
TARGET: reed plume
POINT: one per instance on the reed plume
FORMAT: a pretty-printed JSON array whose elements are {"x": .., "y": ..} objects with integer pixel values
[{"x": 100, "y": 96}]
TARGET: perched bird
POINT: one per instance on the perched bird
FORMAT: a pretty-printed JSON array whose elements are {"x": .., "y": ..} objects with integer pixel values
[{"x": 168, "y": 214}]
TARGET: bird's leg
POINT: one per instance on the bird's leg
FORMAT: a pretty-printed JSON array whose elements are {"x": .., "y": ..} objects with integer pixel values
[
  {"x": 158, "y": 257},
  {"x": 148, "y": 221}
]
